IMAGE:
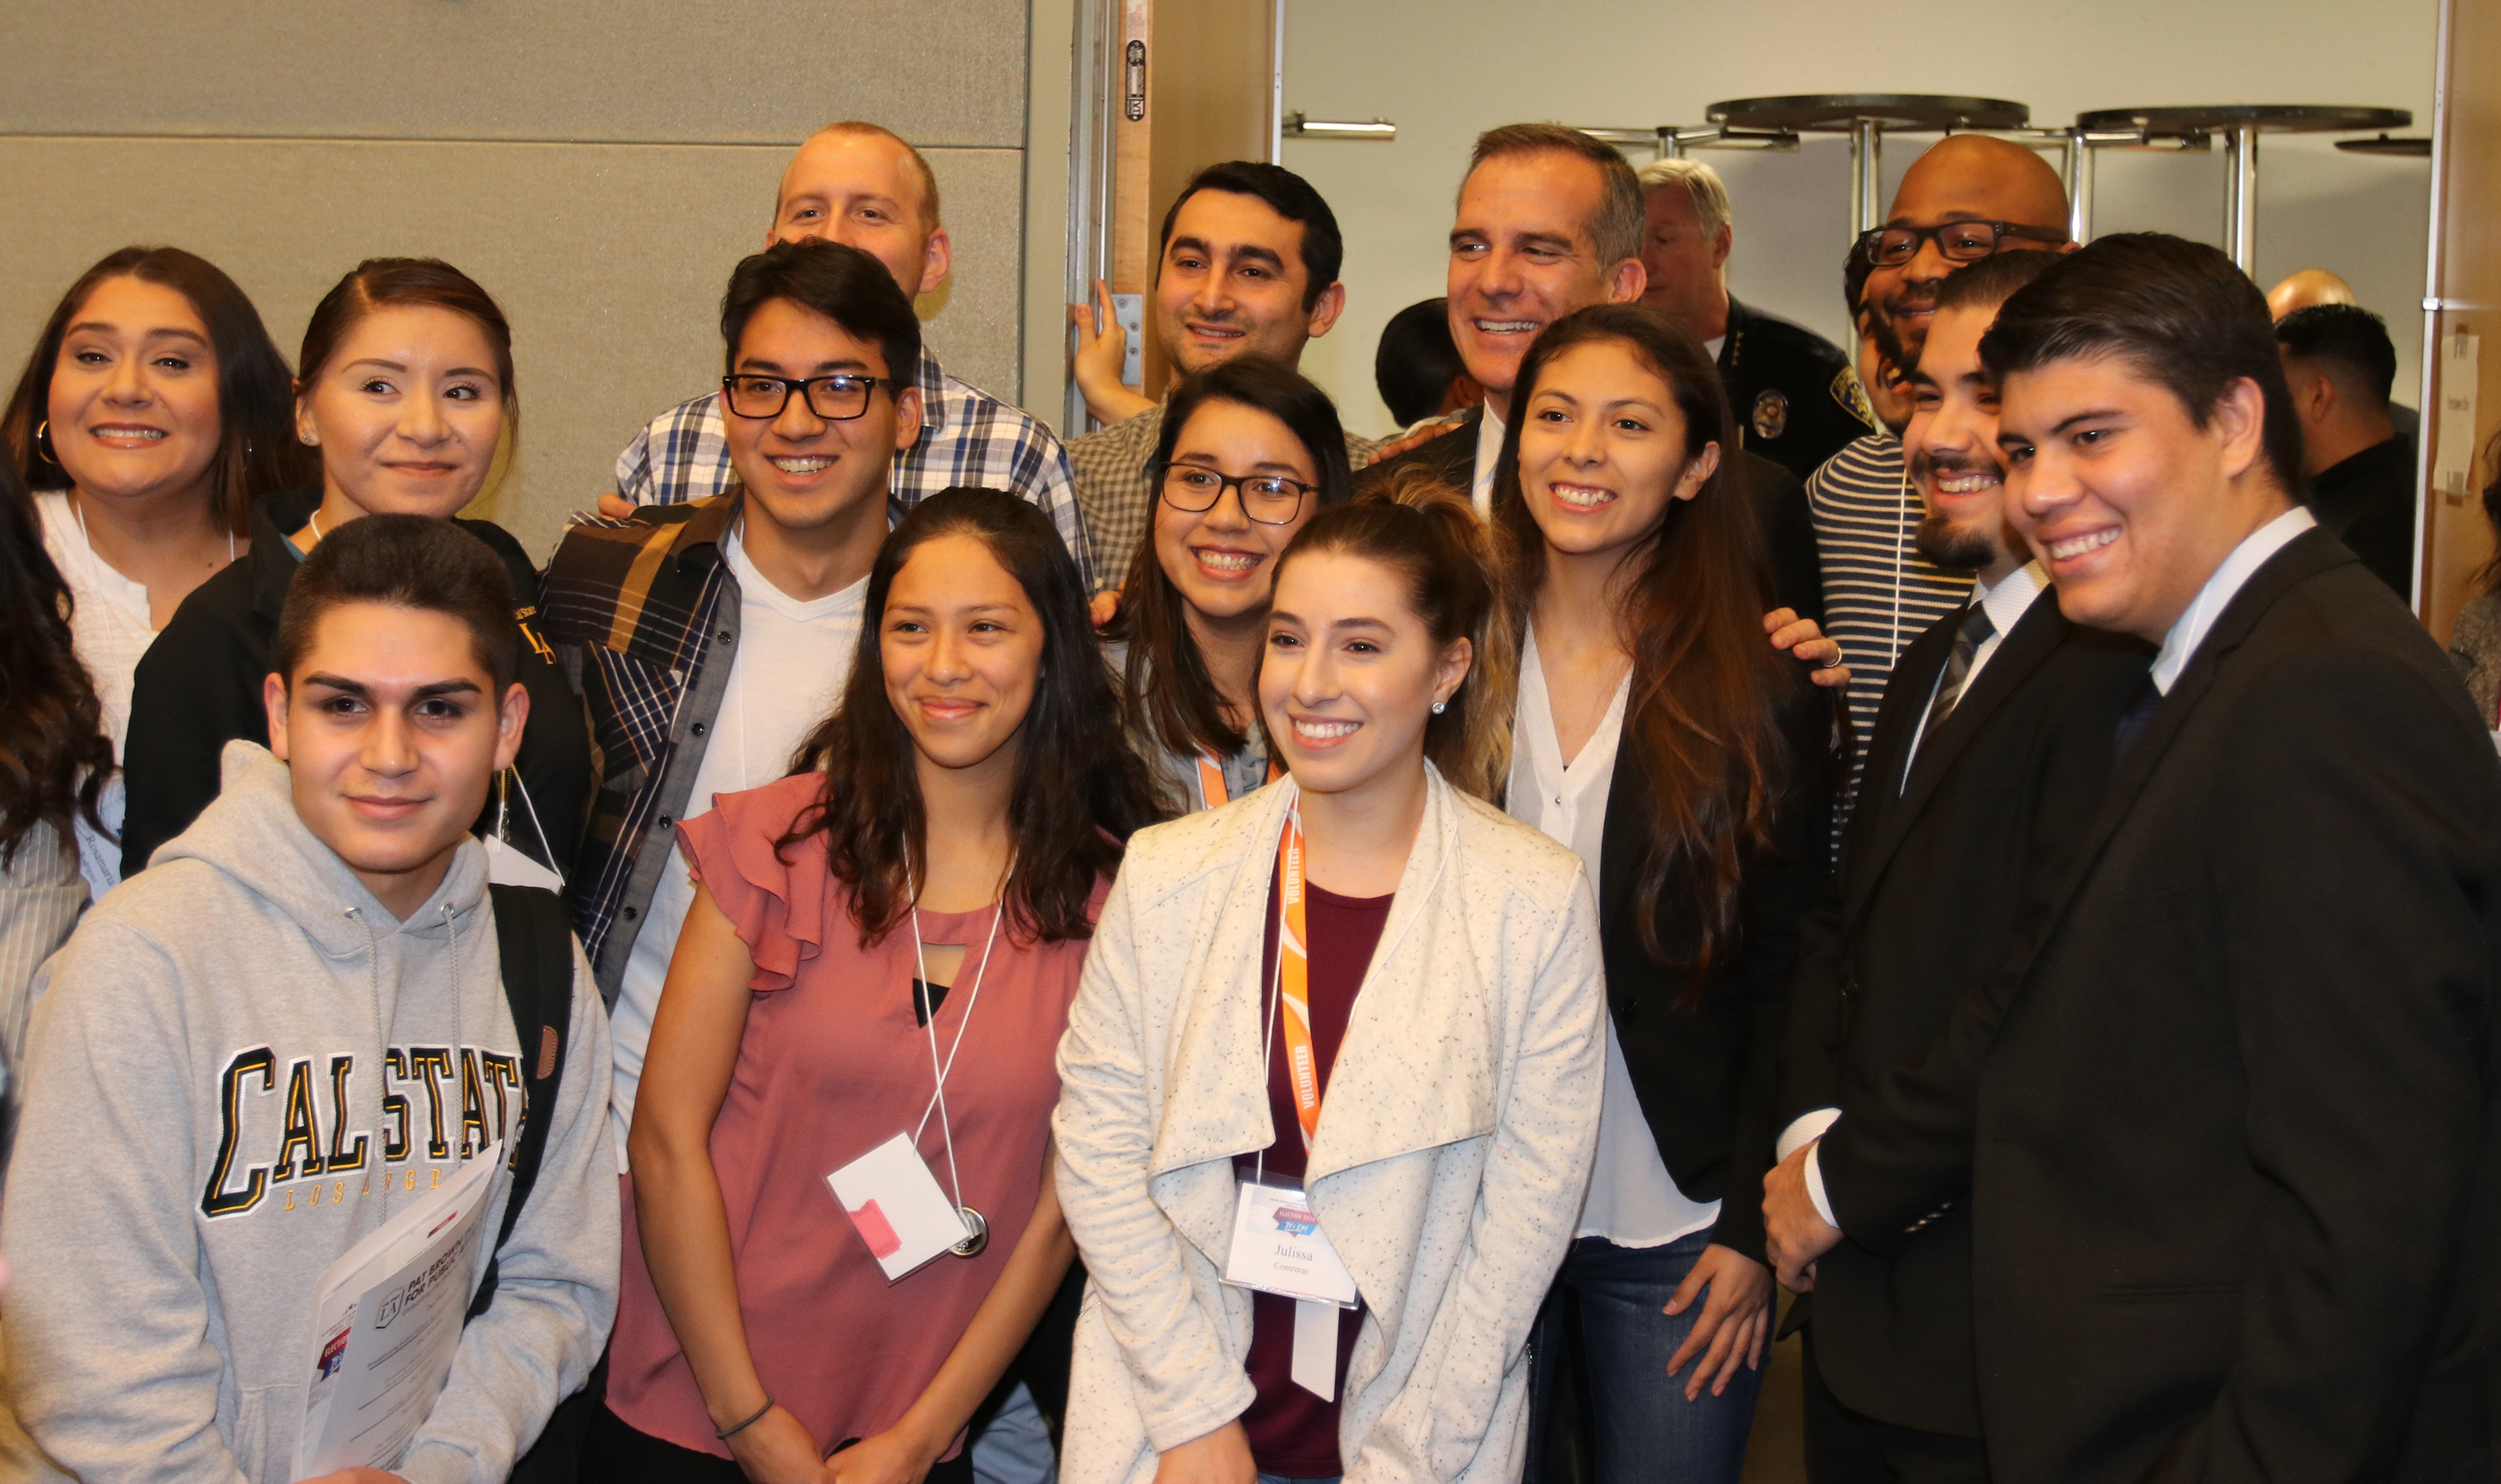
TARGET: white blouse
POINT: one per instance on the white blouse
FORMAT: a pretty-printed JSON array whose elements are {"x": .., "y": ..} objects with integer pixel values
[
  {"x": 108, "y": 630},
  {"x": 1633, "y": 1200}
]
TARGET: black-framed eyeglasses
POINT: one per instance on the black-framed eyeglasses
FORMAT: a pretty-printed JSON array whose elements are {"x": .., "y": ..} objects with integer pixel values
[
  {"x": 836, "y": 398},
  {"x": 1271, "y": 499},
  {"x": 1959, "y": 242}
]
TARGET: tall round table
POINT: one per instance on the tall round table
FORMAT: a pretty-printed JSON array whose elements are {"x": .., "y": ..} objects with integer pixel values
[
  {"x": 2238, "y": 125},
  {"x": 1866, "y": 117}
]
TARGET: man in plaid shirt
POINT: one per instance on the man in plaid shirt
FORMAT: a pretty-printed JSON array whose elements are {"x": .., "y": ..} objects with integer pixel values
[{"x": 863, "y": 187}]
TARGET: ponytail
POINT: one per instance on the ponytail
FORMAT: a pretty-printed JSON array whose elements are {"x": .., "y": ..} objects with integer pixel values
[{"x": 1423, "y": 528}]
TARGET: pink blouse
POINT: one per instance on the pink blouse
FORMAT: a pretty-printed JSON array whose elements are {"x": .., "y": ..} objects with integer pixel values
[{"x": 833, "y": 1064}]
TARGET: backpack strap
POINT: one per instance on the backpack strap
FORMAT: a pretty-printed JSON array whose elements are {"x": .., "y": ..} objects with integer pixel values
[{"x": 534, "y": 944}]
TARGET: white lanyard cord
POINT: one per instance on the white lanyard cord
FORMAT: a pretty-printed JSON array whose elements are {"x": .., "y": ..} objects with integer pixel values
[{"x": 937, "y": 1069}]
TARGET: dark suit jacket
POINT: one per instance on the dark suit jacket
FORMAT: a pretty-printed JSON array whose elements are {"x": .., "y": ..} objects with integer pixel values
[
  {"x": 1927, "y": 897},
  {"x": 1704, "y": 1065},
  {"x": 2236, "y": 1175},
  {"x": 1779, "y": 501}
]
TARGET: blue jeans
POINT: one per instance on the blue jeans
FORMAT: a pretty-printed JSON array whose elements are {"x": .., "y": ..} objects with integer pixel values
[{"x": 1643, "y": 1428}]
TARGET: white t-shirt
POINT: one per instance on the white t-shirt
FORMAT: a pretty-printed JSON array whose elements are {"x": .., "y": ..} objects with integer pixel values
[
  {"x": 108, "y": 630},
  {"x": 793, "y": 659},
  {"x": 1633, "y": 1200}
]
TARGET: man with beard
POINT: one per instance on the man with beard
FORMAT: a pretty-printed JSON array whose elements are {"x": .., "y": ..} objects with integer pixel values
[
  {"x": 1968, "y": 198},
  {"x": 1985, "y": 757}
]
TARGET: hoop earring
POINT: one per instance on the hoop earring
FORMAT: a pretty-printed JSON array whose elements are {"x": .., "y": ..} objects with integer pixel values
[{"x": 41, "y": 429}]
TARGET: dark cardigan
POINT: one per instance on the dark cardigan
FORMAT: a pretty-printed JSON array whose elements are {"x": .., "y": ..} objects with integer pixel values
[{"x": 198, "y": 687}]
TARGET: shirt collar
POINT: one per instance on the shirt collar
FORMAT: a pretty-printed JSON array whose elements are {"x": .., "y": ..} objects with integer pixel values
[
  {"x": 2181, "y": 644},
  {"x": 931, "y": 379},
  {"x": 1490, "y": 431},
  {"x": 2013, "y": 597}
]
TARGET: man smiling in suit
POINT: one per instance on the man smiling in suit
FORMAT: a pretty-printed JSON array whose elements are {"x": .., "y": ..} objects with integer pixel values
[
  {"x": 1988, "y": 757},
  {"x": 2235, "y": 1172}
]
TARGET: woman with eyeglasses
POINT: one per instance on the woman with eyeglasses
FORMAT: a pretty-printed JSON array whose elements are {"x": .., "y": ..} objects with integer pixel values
[
  {"x": 1248, "y": 453},
  {"x": 404, "y": 393}
]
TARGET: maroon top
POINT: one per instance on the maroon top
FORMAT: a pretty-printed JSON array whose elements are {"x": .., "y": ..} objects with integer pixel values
[
  {"x": 1293, "y": 1434},
  {"x": 834, "y": 1063}
]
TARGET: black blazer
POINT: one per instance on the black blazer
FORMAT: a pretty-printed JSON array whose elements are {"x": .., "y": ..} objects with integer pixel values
[
  {"x": 1704, "y": 1069},
  {"x": 1926, "y": 901},
  {"x": 2235, "y": 1173},
  {"x": 1779, "y": 501},
  {"x": 198, "y": 687}
]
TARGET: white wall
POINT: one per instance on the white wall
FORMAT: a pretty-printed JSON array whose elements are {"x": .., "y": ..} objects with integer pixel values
[{"x": 1447, "y": 69}]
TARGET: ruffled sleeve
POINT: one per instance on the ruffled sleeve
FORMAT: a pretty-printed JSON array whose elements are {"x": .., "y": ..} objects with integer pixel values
[{"x": 783, "y": 905}]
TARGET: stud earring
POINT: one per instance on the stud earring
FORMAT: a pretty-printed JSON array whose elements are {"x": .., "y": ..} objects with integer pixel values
[{"x": 1441, "y": 706}]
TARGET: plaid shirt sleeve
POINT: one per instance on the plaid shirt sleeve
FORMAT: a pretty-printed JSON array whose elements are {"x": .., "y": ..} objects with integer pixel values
[
  {"x": 970, "y": 437},
  {"x": 680, "y": 457}
]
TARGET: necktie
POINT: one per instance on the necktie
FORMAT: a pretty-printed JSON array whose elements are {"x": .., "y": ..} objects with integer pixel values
[
  {"x": 2132, "y": 724},
  {"x": 1969, "y": 637}
]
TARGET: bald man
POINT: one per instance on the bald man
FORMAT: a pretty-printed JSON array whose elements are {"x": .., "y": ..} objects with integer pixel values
[
  {"x": 864, "y": 187},
  {"x": 2307, "y": 289},
  {"x": 1967, "y": 198}
]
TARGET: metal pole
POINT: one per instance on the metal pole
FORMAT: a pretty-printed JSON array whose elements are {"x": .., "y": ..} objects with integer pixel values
[
  {"x": 2240, "y": 195},
  {"x": 1866, "y": 175},
  {"x": 2079, "y": 187}
]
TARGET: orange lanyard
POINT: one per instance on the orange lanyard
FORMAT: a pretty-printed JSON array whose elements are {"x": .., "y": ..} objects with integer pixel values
[
  {"x": 1294, "y": 981},
  {"x": 1212, "y": 792}
]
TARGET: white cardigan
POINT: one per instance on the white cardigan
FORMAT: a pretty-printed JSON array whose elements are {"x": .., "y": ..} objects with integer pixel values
[{"x": 1452, "y": 1156}]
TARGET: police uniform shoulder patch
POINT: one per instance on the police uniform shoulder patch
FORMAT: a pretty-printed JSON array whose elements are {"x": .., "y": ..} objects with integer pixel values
[
  {"x": 1771, "y": 415},
  {"x": 1853, "y": 398}
]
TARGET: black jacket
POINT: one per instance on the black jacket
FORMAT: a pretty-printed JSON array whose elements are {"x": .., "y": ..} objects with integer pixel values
[
  {"x": 198, "y": 687},
  {"x": 1777, "y": 497},
  {"x": 2235, "y": 1172},
  {"x": 1794, "y": 394},
  {"x": 2367, "y": 500},
  {"x": 1926, "y": 901},
  {"x": 1704, "y": 1064}
]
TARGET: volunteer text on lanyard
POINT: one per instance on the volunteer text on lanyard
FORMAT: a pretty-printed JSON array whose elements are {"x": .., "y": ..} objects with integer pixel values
[{"x": 1278, "y": 1244}]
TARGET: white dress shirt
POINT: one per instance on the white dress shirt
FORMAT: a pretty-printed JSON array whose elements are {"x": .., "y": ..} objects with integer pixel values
[
  {"x": 1490, "y": 430},
  {"x": 2181, "y": 644},
  {"x": 1633, "y": 1200}
]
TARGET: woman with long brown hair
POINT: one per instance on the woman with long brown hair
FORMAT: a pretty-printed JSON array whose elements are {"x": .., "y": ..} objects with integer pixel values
[
  {"x": 1689, "y": 765},
  {"x": 53, "y": 759},
  {"x": 858, "y": 1021},
  {"x": 152, "y": 412}
]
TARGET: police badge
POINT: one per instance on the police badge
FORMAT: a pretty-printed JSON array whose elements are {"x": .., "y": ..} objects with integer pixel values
[{"x": 1771, "y": 416}]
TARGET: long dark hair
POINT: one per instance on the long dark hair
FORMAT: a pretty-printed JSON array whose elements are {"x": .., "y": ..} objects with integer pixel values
[
  {"x": 1079, "y": 790},
  {"x": 1167, "y": 692},
  {"x": 1703, "y": 718},
  {"x": 257, "y": 452},
  {"x": 1425, "y": 530},
  {"x": 53, "y": 754}
]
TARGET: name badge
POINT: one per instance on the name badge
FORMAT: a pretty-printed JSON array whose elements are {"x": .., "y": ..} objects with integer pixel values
[
  {"x": 1280, "y": 1248},
  {"x": 896, "y": 1207}
]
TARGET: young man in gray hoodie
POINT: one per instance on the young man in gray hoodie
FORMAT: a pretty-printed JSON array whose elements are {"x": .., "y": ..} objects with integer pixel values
[{"x": 248, "y": 1060}]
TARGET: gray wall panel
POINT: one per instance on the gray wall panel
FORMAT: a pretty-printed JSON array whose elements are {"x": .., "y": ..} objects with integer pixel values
[
  {"x": 610, "y": 260},
  {"x": 939, "y": 71}
]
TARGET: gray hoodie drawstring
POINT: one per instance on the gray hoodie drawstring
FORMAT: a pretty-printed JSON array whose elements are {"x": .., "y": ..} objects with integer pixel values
[
  {"x": 381, "y": 1045},
  {"x": 452, "y": 925}
]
